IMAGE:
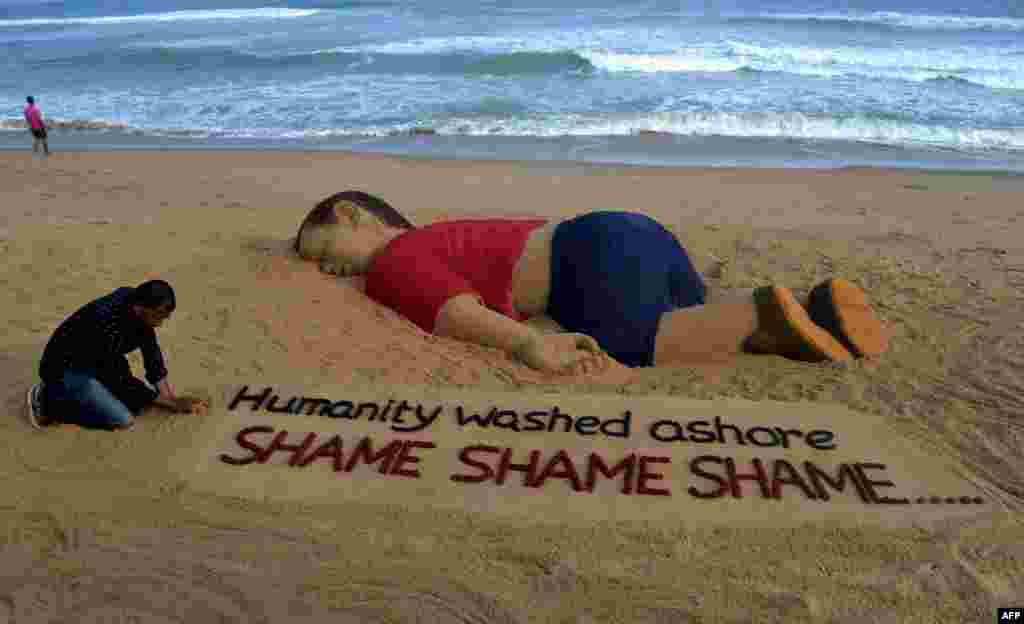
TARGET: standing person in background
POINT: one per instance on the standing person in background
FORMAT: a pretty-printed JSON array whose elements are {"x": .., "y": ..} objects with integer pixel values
[{"x": 34, "y": 117}]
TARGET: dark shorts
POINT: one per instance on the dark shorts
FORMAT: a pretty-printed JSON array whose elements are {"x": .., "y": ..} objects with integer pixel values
[
  {"x": 39, "y": 133},
  {"x": 613, "y": 274}
]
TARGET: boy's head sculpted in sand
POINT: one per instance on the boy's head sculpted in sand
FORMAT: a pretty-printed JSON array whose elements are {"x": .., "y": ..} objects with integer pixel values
[
  {"x": 344, "y": 231},
  {"x": 619, "y": 282}
]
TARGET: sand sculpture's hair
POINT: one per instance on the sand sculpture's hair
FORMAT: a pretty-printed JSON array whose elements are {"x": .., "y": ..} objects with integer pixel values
[{"x": 325, "y": 212}]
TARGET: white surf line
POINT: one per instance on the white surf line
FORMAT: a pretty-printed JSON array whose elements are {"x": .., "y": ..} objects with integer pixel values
[
  {"x": 586, "y": 146},
  {"x": 372, "y": 139}
]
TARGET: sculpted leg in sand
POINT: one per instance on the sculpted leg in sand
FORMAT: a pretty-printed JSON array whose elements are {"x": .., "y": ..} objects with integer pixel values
[{"x": 618, "y": 282}]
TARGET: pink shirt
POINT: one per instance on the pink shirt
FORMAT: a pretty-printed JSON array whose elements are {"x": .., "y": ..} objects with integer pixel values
[
  {"x": 34, "y": 117},
  {"x": 422, "y": 269}
]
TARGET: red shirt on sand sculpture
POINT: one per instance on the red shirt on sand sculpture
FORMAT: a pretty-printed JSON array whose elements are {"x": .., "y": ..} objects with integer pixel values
[{"x": 422, "y": 269}]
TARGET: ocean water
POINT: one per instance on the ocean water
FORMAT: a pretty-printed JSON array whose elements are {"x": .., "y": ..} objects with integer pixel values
[{"x": 894, "y": 82}]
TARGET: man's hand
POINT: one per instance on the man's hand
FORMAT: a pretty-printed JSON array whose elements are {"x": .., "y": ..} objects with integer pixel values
[
  {"x": 165, "y": 389},
  {"x": 566, "y": 353},
  {"x": 179, "y": 404},
  {"x": 187, "y": 404}
]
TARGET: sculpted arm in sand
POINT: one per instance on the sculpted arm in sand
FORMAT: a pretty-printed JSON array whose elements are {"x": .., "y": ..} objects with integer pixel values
[{"x": 618, "y": 282}]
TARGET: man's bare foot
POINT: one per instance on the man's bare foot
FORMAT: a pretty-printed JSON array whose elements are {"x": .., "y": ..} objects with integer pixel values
[
  {"x": 784, "y": 328},
  {"x": 844, "y": 311}
]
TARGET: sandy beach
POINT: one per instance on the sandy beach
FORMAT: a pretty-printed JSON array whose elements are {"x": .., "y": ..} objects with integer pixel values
[{"x": 95, "y": 526}]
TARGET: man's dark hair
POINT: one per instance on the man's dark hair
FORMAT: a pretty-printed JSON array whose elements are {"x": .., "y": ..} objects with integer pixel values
[
  {"x": 153, "y": 294},
  {"x": 30, "y": 100}
]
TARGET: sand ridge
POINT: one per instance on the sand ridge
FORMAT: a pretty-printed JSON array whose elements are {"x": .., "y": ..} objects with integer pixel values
[{"x": 940, "y": 255}]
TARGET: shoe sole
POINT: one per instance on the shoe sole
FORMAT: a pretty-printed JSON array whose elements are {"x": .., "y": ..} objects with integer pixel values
[
  {"x": 806, "y": 341},
  {"x": 32, "y": 420},
  {"x": 845, "y": 312}
]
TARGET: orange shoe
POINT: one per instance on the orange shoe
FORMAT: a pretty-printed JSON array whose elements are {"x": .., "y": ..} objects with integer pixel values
[
  {"x": 784, "y": 328},
  {"x": 844, "y": 311}
]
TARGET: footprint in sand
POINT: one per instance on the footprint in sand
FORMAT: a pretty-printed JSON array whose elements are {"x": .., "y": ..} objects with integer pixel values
[
  {"x": 251, "y": 576},
  {"x": 989, "y": 369},
  {"x": 429, "y": 600},
  {"x": 165, "y": 577},
  {"x": 954, "y": 572}
]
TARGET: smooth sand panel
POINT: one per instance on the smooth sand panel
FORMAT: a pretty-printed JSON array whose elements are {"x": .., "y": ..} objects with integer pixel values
[{"x": 576, "y": 458}]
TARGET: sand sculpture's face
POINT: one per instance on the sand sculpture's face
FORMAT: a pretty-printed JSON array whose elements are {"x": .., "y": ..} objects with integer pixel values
[{"x": 342, "y": 238}]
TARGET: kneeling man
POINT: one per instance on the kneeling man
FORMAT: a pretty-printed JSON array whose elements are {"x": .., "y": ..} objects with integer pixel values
[{"x": 86, "y": 378}]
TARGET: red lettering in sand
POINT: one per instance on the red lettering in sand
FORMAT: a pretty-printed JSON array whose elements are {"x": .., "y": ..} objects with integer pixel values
[
  {"x": 492, "y": 464},
  {"x": 243, "y": 441},
  {"x": 869, "y": 485},
  {"x": 405, "y": 457},
  {"x": 770, "y": 482},
  {"x": 278, "y": 444},
  {"x": 394, "y": 458},
  {"x": 331, "y": 448}
]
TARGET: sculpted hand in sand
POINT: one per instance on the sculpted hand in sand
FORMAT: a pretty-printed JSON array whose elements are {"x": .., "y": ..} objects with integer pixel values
[
  {"x": 86, "y": 378},
  {"x": 620, "y": 283}
]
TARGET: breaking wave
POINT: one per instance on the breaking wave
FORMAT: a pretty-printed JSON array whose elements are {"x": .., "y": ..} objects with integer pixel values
[
  {"x": 268, "y": 13},
  {"x": 892, "y": 19}
]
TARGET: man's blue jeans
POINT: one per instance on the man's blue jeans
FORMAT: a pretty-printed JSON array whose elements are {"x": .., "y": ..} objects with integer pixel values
[{"x": 80, "y": 398}]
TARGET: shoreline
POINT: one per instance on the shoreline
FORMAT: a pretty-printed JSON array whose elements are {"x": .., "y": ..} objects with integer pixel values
[{"x": 642, "y": 150}]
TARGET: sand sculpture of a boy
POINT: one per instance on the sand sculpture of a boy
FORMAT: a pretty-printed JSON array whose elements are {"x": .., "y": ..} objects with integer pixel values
[
  {"x": 86, "y": 378},
  {"x": 618, "y": 283}
]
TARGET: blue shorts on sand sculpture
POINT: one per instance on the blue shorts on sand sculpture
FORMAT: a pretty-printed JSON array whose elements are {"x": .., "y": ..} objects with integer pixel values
[{"x": 613, "y": 274}]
